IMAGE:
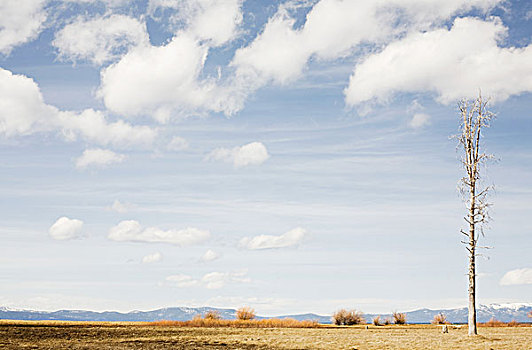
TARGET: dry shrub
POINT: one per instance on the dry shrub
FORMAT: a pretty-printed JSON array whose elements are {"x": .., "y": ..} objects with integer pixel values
[
  {"x": 212, "y": 315},
  {"x": 266, "y": 323},
  {"x": 399, "y": 318},
  {"x": 377, "y": 321},
  {"x": 439, "y": 319},
  {"x": 387, "y": 321},
  {"x": 348, "y": 318},
  {"x": 513, "y": 323},
  {"x": 494, "y": 323},
  {"x": 245, "y": 313}
]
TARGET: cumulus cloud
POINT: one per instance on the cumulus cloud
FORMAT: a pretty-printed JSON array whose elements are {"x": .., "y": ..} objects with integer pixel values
[
  {"x": 517, "y": 277},
  {"x": 254, "y": 153},
  {"x": 452, "y": 63},
  {"x": 177, "y": 144},
  {"x": 100, "y": 40},
  {"x": 333, "y": 29},
  {"x": 214, "y": 20},
  {"x": 65, "y": 228},
  {"x": 160, "y": 81},
  {"x": 98, "y": 157},
  {"x": 132, "y": 231},
  {"x": 22, "y": 109},
  {"x": 210, "y": 255},
  {"x": 287, "y": 239},
  {"x": 166, "y": 81},
  {"x": 211, "y": 280},
  {"x": 151, "y": 258},
  {"x": 20, "y": 22},
  {"x": 23, "y": 112}
]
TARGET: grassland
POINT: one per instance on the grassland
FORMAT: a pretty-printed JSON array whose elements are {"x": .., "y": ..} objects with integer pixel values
[{"x": 107, "y": 335}]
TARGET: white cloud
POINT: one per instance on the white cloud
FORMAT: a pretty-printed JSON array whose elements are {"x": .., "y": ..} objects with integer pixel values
[
  {"x": 177, "y": 144},
  {"x": 120, "y": 207},
  {"x": 92, "y": 126},
  {"x": 213, "y": 20},
  {"x": 132, "y": 231},
  {"x": 516, "y": 277},
  {"x": 182, "y": 281},
  {"x": 332, "y": 29},
  {"x": 151, "y": 258},
  {"x": 20, "y": 22},
  {"x": 452, "y": 63},
  {"x": 23, "y": 112},
  {"x": 287, "y": 239},
  {"x": 110, "y": 3},
  {"x": 65, "y": 228},
  {"x": 210, "y": 255},
  {"x": 22, "y": 109},
  {"x": 160, "y": 81},
  {"x": 100, "y": 40},
  {"x": 211, "y": 280},
  {"x": 254, "y": 153},
  {"x": 98, "y": 157},
  {"x": 419, "y": 120}
]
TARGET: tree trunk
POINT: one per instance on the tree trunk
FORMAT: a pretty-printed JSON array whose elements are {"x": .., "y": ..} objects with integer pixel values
[{"x": 472, "y": 310}]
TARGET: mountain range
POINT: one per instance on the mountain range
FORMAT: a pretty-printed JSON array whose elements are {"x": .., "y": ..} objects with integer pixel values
[{"x": 501, "y": 312}]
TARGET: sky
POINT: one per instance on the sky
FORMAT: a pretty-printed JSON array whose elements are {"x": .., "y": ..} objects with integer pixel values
[{"x": 294, "y": 156}]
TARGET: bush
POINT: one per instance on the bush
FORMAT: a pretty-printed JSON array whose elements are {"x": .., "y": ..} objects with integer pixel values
[
  {"x": 377, "y": 321},
  {"x": 212, "y": 315},
  {"x": 494, "y": 323},
  {"x": 439, "y": 319},
  {"x": 348, "y": 318},
  {"x": 245, "y": 313},
  {"x": 513, "y": 323},
  {"x": 387, "y": 321},
  {"x": 399, "y": 318}
]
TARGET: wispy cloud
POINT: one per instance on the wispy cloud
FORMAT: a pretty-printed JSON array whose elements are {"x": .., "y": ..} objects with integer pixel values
[
  {"x": 287, "y": 239},
  {"x": 254, "y": 153},
  {"x": 517, "y": 277},
  {"x": 132, "y": 231},
  {"x": 211, "y": 280},
  {"x": 98, "y": 157},
  {"x": 151, "y": 258}
]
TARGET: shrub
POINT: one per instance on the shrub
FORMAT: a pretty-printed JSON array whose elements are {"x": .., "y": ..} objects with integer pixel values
[
  {"x": 399, "y": 318},
  {"x": 439, "y": 319},
  {"x": 212, "y": 315},
  {"x": 377, "y": 321},
  {"x": 245, "y": 313},
  {"x": 387, "y": 321},
  {"x": 348, "y": 318},
  {"x": 494, "y": 323},
  {"x": 513, "y": 323}
]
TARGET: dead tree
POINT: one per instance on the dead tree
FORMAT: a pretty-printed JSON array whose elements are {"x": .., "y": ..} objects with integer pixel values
[{"x": 475, "y": 117}]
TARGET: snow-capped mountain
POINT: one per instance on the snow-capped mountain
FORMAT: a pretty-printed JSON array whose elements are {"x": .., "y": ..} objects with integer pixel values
[{"x": 501, "y": 312}]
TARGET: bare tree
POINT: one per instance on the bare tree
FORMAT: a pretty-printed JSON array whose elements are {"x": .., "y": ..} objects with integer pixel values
[{"x": 475, "y": 117}]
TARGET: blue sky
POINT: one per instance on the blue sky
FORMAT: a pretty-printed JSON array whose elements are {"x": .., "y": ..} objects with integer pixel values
[{"x": 294, "y": 156}]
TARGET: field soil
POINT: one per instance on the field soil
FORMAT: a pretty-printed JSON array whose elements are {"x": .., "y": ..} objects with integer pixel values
[{"x": 81, "y": 335}]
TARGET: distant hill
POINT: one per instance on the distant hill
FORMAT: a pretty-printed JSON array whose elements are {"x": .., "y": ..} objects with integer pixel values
[{"x": 501, "y": 312}]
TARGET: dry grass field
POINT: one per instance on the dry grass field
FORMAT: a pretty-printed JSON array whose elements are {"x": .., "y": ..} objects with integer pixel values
[{"x": 100, "y": 335}]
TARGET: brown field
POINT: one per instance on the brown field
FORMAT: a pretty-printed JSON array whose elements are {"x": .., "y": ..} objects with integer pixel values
[{"x": 108, "y": 335}]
